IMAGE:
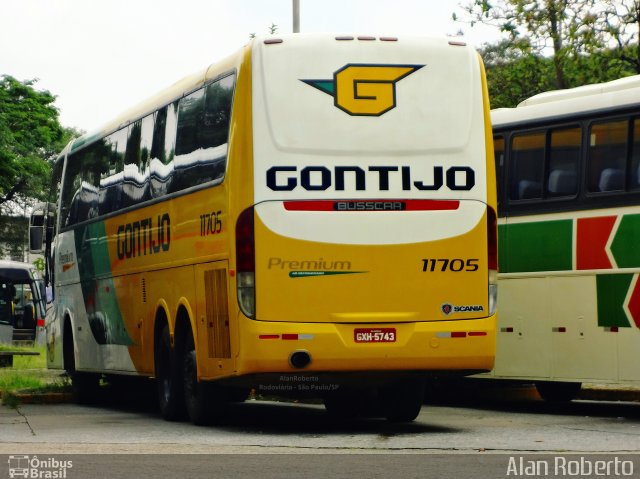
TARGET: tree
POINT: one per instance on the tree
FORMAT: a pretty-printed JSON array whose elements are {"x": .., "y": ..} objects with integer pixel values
[
  {"x": 13, "y": 237},
  {"x": 273, "y": 29},
  {"x": 566, "y": 28},
  {"x": 514, "y": 73},
  {"x": 620, "y": 26},
  {"x": 30, "y": 137}
]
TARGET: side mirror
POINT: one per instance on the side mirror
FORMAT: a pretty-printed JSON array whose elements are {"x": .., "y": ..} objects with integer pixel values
[
  {"x": 41, "y": 221},
  {"x": 36, "y": 239}
]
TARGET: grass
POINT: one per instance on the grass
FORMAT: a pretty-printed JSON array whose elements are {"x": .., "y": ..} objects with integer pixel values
[{"x": 28, "y": 375}]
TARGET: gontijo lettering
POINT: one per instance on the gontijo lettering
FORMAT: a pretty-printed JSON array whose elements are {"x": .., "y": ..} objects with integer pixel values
[
  {"x": 320, "y": 178},
  {"x": 142, "y": 237}
]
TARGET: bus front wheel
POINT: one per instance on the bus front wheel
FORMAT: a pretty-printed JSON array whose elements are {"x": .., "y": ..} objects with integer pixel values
[
  {"x": 169, "y": 385},
  {"x": 85, "y": 387}
]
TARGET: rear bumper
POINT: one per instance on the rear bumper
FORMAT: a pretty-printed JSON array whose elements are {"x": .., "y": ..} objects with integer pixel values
[{"x": 265, "y": 347}]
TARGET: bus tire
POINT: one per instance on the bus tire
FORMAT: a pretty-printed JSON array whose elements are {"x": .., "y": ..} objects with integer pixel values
[
  {"x": 343, "y": 404},
  {"x": 205, "y": 401},
  {"x": 168, "y": 378},
  {"x": 401, "y": 402},
  {"x": 85, "y": 387},
  {"x": 558, "y": 392}
]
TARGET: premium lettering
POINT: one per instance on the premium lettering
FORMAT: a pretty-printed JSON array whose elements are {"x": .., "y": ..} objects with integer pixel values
[{"x": 319, "y": 264}]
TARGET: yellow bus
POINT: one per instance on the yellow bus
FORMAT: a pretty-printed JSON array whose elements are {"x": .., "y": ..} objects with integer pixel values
[
  {"x": 568, "y": 166},
  {"x": 314, "y": 215}
]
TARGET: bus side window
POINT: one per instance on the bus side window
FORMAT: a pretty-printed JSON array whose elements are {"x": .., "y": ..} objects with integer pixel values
[
  {"x": 635, "y": 155},
  {"x": 134, "y": 185},
  {"x": 607, "y": 156},
  {"x": 202, "y": 134},
  {"x": 111, "y": 180},
  {"x": 160, "y": 163},
  {"x": 498, "y": 148},
  {"x": 527, "y": 165},
  {"x": 71, "y": 190},
  {"x": 188, "y": 144},
  {"x": 6, "y": 303},
  {"x": 215, "y": 128},
  {"x": 564, "y": 156}
]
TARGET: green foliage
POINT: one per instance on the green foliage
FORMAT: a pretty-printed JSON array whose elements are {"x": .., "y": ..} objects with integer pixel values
[
  {"x": 272, "y": 29},
  {"x": 39, "y": 264},
  {"x": 29, "y": 374},
  {"x": 513, "y": 75},
  {"x": 556, "y": 44},
  {"x": 30, "y": 135},
  {"x": 13, "y": 237}
]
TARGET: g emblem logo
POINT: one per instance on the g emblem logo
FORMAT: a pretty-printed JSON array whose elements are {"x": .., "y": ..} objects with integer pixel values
[{"x": 364, "y": 90}]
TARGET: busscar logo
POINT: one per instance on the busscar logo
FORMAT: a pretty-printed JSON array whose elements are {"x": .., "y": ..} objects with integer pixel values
[{"x": 364, "y": 89}]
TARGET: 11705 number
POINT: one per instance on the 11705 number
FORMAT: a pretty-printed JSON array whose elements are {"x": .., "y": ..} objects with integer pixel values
[{"x": 455, "y": 265}]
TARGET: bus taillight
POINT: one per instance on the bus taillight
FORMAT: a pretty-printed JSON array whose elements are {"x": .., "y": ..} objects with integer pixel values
[
  {"x": 246, "y": 263},
  {"x": 492, "y": 244}
]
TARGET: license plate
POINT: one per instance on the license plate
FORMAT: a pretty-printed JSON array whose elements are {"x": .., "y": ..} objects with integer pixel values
[{"x": 374, "y": 335}]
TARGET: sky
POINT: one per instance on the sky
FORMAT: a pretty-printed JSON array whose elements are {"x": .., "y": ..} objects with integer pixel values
[{"x": 101, "y": 57}]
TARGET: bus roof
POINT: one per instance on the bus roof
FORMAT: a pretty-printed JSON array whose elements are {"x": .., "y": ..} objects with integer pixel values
[
  {"x": 16, "y": 270},
  {"x": 176, "y": 91},
  {"x": 562, "y": 103}
]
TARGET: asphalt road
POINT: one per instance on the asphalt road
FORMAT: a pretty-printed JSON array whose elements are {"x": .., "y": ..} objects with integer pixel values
[{"x": 301, "y": 440}]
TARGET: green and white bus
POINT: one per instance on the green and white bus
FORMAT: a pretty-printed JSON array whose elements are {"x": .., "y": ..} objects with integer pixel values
[{"x": 568, "y": 166}]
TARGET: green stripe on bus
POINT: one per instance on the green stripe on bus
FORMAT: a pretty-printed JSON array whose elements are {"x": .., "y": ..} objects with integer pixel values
[
  {"x": 536, "y": 246},
  {"x": 625, "y": 244},
  {"x": 612, "y": 290},
  {"x": 100, "y": 300}
]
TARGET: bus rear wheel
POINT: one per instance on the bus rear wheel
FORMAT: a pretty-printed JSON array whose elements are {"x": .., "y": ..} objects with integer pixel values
[
  {"x": 344, "y": 404},
  {"x": 169, "y": 385},
  {"x": 402, "y": 401},
  {"x": 205, "y": 401},
  {"x": 558, "y": 392}
]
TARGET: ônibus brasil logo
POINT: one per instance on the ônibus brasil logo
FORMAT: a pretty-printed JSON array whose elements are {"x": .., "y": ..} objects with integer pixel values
[{"x": 363, "y": 89}]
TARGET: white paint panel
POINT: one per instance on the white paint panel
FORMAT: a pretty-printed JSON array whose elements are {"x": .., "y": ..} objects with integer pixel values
[
  {"x": 437, "y": 120},
  {"x": 525, "y": 352},
  {"x": 370, "y": 228}
]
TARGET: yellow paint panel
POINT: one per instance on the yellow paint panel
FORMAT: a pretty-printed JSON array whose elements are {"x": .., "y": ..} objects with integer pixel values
[{"x": 299, "y": 280}]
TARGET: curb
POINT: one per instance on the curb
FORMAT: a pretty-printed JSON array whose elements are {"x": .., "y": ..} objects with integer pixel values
[
  {"x": 588, "y": 393},
  {"x": 606, "y": 394},
  {"x": 38, "y": 398}
]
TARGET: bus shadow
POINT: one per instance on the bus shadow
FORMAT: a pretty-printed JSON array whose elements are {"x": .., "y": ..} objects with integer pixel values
[
  {"x": 523, "y": 398},
  {"x": 308, "y": 419},
  {"x": 273, "y": 417}
]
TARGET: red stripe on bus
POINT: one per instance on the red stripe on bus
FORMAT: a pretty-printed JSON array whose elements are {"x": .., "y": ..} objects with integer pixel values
[
  {"x": 592, "y": 237},
  {"x": 409, "y": 205}
]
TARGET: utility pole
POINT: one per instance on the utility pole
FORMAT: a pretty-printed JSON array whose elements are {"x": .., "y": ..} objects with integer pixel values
[{"x": 296, "y": 16}]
